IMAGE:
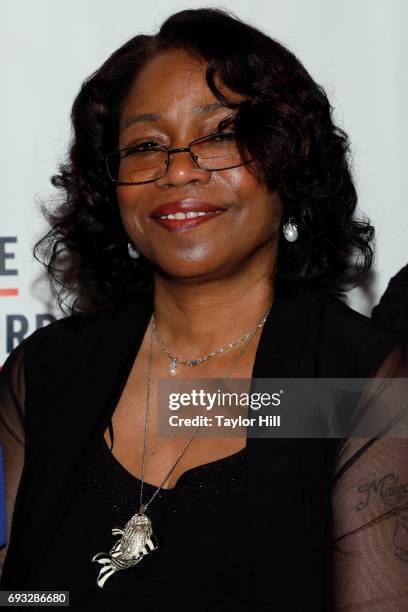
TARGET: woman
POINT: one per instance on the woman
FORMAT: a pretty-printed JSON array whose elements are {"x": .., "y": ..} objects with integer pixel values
[{"x": 209, "y": 219}]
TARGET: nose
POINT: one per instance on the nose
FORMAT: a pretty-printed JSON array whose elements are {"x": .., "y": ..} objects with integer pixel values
[{"x": 182, "y": 170}]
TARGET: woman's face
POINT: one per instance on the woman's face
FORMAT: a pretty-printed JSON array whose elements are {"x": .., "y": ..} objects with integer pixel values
[{"x": 171, "y": 93}]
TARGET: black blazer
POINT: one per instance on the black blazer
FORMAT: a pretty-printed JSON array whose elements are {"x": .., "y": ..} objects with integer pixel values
[{"x": 75, "y": 370}]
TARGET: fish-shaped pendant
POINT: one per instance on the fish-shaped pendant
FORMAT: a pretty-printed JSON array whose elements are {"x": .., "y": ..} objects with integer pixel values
[{"x": 137, "y": 540}]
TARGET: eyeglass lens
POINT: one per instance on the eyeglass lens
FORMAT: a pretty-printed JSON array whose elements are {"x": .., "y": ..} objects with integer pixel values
[{"x": 136, "y": 164}]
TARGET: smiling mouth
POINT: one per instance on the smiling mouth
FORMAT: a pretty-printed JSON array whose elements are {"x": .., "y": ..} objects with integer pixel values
[
  {"x": 189, "y": 215},
  {"x": 184, "y": 221}
]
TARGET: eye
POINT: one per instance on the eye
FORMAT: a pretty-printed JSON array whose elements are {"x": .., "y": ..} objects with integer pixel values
[
  {"x": 140, "y": 147},
  {"x": 145, "y": 145},
  {"x": 224, "y": 136}
]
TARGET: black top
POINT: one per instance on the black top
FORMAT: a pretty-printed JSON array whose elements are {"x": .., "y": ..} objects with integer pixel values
[
  {"x": 199, "y": 524},
  {"x": 326, "y": 519}
]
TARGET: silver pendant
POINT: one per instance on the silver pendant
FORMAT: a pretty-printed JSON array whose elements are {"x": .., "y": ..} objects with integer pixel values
[
  {"x": 137, "y": 540},
  {"x": 173, "y": 367}
]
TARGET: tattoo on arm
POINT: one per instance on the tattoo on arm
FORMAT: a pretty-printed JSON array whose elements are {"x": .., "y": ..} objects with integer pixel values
[{"x": 393, "y": 495}]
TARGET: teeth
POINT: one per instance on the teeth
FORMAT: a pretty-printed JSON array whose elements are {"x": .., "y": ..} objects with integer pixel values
[{"x": 187, "y": 215}]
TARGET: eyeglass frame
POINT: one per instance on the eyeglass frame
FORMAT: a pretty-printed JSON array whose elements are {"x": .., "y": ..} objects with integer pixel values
[{"x": 167, "y": 162}]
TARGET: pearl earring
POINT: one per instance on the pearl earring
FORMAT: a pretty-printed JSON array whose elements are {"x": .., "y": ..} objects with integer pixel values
[
  {"x": 290, "y": 231},
  {"x": 133, "y": 253}
]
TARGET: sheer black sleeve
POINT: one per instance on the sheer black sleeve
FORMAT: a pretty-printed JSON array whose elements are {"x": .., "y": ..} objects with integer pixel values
[
  {"x": 370, "y": 499},
  {"x": 12, "y": 394}
]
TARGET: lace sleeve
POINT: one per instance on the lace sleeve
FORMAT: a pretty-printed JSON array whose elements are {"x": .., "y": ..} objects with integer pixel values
[
  {"x": 370, "y": 501},
  {"x": 12, "y": 393}
]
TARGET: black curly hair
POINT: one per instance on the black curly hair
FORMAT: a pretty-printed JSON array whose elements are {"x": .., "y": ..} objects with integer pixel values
[{"x": 285, "y": 122}]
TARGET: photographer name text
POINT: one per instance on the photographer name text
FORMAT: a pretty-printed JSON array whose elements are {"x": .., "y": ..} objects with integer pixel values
[{"x": 226, "y": 422}]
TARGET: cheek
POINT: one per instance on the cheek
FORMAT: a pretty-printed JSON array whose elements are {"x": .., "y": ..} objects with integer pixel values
[
  {"x": 130, "y": 208},
  {"x": 258, "y": 206}
]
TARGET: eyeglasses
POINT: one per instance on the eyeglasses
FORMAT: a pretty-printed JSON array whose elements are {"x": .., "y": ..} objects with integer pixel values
[{"x": 146, "y": 162}]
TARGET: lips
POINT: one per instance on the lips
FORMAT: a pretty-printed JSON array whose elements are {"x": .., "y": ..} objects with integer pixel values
[
  {"x": 200, "y": 212},
  {"x": 185, "y": 206}
]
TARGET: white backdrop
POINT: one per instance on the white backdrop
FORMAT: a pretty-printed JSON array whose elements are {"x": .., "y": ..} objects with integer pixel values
[{"x": 356, "y": 49}]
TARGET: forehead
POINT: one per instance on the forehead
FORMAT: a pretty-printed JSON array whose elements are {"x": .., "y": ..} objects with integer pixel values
[{"x": 172, "y": 79}]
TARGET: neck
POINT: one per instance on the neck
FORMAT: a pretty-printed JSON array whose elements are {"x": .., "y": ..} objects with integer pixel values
[{"x": 196, "y": 318}]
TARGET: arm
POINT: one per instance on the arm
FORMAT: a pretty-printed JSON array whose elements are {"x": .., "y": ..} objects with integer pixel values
[
  {"x": 12, "y": 394},
  {"x": 370, "y": 504}
]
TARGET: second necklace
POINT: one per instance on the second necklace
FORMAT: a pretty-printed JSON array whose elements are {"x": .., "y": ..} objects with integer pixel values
[{"x": 194, "y": 362}]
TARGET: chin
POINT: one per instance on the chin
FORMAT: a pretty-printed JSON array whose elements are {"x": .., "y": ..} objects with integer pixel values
[{"x": 190, "y": 270}]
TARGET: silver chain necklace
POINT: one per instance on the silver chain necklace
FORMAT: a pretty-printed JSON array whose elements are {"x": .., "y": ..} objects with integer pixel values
[
  {"x": 137, "y": 539},
  {"x": 193, "y": 362}
]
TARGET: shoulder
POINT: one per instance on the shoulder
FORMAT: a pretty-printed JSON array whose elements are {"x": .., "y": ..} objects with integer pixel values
[
  {"x": 57, "y": 342},
  {"x": 81, "y": 328},
  {"x": 342, "y": 318},
  {"x": 37, "y": 358},
  {"x": 73, "y": 341},
  {"x": 331, "y": 311},
  {"x": 345, "y": 337}
]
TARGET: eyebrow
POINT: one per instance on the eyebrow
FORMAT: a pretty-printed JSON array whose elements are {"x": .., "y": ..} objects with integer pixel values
[{"x": 206, "y": 108}]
